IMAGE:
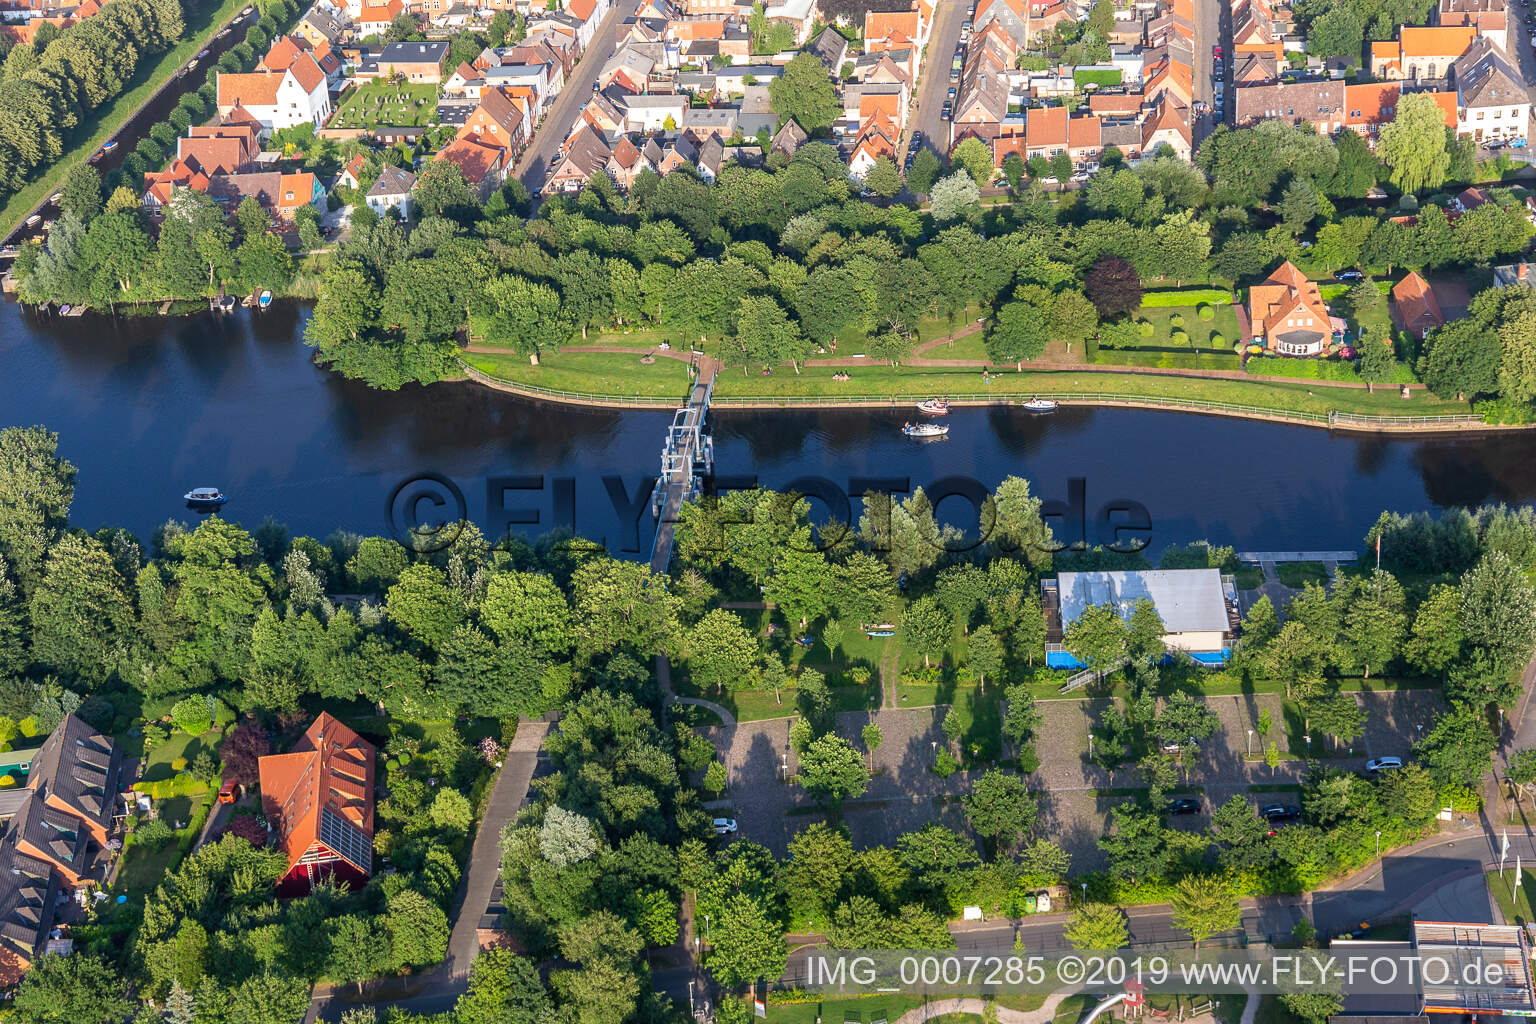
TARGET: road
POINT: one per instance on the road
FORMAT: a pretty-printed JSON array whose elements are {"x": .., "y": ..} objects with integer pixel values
[
  {"x": 533, "y": 167},
  {"x": 1213, "y": 27},
  {"x": 1521, "y": 28},
  {"x": 933, "y": 81}
]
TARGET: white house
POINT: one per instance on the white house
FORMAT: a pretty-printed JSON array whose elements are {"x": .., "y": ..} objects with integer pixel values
[
  {"x": 650, "y": 112},
  {"x": 1198, "y": 607},
  {"x": 1491, "y": 99},
  {"x": 278, "y": 100},
  {"x": 392, "y": 191}
]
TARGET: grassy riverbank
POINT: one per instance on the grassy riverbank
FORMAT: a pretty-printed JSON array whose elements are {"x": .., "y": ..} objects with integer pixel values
[
  {"x": 622, "y": 376},
  {"x": 106, "y": 121}
]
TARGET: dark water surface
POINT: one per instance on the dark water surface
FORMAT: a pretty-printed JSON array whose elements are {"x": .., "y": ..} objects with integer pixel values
[{"x": 149, "y": 408}]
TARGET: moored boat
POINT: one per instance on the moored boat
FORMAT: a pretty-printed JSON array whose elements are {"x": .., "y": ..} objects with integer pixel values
[
  {"x": 925, "y": 429},
  {"x": 1040, "y": 405},
  {"x": 205, "y": 497},
  {"x": 934, "y": 407}
]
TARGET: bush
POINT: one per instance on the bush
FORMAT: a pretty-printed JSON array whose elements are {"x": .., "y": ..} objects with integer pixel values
[
  {"x": 178, "y": 764},
  {"x": 1179, "y": 338},
  {"x": 1186, "y": 297},
  {"x": 945, "y": 765},
  {"x": 153, "y": 834},
  {"x": 1028, "y": 760},
  {"x": 7, "y": 781},
  {"x": 183, "y": 784},
  {"x": 1145, "y": 328},
  {"x": 1216, "y": 340},
  {"x": 192, "y": 715},
  {"x": 1301, "y": 368},
  {"x": 1206, "y": 311},
  {"x": 1176, "y": 320},
  {"x": 1502, "y": 410}
]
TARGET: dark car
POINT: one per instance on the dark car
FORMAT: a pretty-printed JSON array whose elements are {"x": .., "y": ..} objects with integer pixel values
[
  {"x": 1349, "y": 275},
  {"x": 1184, "y": 806},
  {"x": 1280, "y": 814}
]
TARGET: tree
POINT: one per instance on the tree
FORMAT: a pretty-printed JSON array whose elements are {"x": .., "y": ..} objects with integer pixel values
[
  {"x": 883, "y": 178},
  {"x": 951, "y": 197},
  {"x": 74, "y": 989},
  {"x": 1136, "y": 847},
  {"x": 1521, "y": 771},
  {"x": 80, "y": 611},
  {"x": 567, "y": 838},
  {"x": 984, "y": 653},
  {"x": 805, "y": 94},
  {"x": 525, "y": 315},
  {"x": 1375, "y": 618},
  {"x": 503, "y": 986},
  {"x": 441, "y": 191},
  {"x": 1020, "y": 331},
  {"x": 1021, "y": 717},
  {"x": 721, "y": 653},
  {"x": 765, "y": 334},
  {"x": 1498, "y": 611},
  {"x": 1412, "y": 144},
  {"x": 872, "y": 737},
  {"x": 1098, "y": 638},
  {"x": 927, "y": 628},
  {"x": 1313, "y": 1006},
  {"x": 1113, "y": 286},
  {"x": 1097, "y": 926},
  {"x": 747, "y": 943},
  {"x": 1205, "y": 905},
  {"x": 924, "y": 172},
  {"x": 831, "y": 767},
  {"x": 1000, "y": 808},
  {"x": 36, "y": 490},
  {"x": 451, "y": 810},
  {"x": 81, "y": 192},
  {"x": 418, "y": 930},
  {"x": 820, "y": 858},
  {"x": 1517, "y": 365},
  {"x": 1459, "y": 748},
  {"x": 423, "y": 605},
  {"x": 975, "y": 157}
]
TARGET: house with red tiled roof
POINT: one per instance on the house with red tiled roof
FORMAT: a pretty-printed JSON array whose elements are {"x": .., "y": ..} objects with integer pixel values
[
  {"x": 351, "y": 171},
  {"x": 287, "y": 49},
  {"x": 1419, "y": 53},
  {"x": 483, "y": 164},
  {"x": 1084, "y": 142},
  {"x": 496, "y": 121},
  {"x": 1414, "y": 306},
  {"x": 278, "y": 100},
  {"x": 465, "y": 81},
  {"x": 582, "y": 155},
  {"x": 375, "y": 19},
  {"x": 1168, "y": 125},
  {"x": 877, "y": 138},
  {"x": 1046, "y": 131},
  {"x": 159, "y": 186},
  {"x": 1287, "y": 314},
  {"x": 221, "y": 148},
  {"x": 318, "y": 798}
]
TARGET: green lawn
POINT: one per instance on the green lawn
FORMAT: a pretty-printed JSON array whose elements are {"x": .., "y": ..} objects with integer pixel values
[
  {"x": 878, "y": 381},
  {"x": 102, "y": 123},
  {"x": 1223, "y": 322},
  {"x": 177, "y": 745},
  {"x": 589, "y": 373},
  {"x": 1248, "y": 578},
  {"x": 386, "y": 103},
  {"x": 1514, "y": 902},
  {"x": 979, "y": 715},
  {"x": 1299, "y": 574}
]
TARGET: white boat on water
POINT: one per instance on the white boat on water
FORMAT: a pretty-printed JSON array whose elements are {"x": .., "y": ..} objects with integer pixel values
[
  {"x": 205, "y": 496},
  {"x": 925, "y": 429},
  {"x": 1040, "y": 405},
  {"x": 933, "y": 407}
]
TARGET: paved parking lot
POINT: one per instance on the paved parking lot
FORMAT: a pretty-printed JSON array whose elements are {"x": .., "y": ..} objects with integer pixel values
[{"x": 1076, "y": 797}]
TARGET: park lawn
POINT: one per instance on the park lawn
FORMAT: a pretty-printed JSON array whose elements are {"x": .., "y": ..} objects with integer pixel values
[
  {"x": 877, "y": 381},
  {"x": 1299, "y": 574},
  {"x": 588, "y": 373},
  {"x": 973, "y": 347},
  {"x": 101, "y": 124},
  {"x": 391, "y": 104}
]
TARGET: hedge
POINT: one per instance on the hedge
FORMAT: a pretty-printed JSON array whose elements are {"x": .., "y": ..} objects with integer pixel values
[
  {"x": 1301, "y": 369},
  {"x": 1165, "y": 359},
  {"x": 1186, "y": 297},
  {"x": 181, "y": 784}
]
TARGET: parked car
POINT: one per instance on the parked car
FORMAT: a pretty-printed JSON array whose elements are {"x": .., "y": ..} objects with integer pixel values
[
  {"x": 1383, "y": 764},
  {"x": 1183, "y": 806},
  {"x": 1280, "y": 814},
  {"x": 951, "y": 92},
  {"x": 229, "y": 792},
  {"x": 947, "y": 112},
  {"x": 724, "y": 826},
  {"x": 1216, "y": 51},
  {"x": 1349, "y": 275}
]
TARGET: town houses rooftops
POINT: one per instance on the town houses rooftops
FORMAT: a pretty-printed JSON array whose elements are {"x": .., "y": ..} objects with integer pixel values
[
  {"x": 79, "y": 770},
  {"x": 1435, "y": 41},
  {"x": 831, "y": 48},
  {"x": 477, "y": 160},
  {"x": 29, "y": 895},
  {"x": 1485, "y": 77},
  {"x": 249, "y": 90},
  {"x": 1320, "y": 101}
]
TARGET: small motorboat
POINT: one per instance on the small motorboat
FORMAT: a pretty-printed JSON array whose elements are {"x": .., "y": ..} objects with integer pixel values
[
  {"x": 207, "y": 497},
  {"x": 64, "y": 309},
  {"x": 879, "y": 632},
  {"x": 925, "y": 429},
  {"x": 934, "y": 407},
  {"x": 109, "y": 147},
  {"x": 1040, "y": 405},
  {"x": 264, "y": 299}
]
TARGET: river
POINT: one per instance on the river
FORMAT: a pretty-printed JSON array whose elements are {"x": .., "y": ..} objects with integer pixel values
[{"x": 148, "y": 408}]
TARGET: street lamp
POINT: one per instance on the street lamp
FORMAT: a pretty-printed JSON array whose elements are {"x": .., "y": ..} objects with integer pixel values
[
  {"x": 1378, "y": 842},
  {"x": 706, "y": 928},
  {"x": 1085, "y": 894},
  {"x": 1306, "y": 743},
  {"x": 1249, "y": 748}
]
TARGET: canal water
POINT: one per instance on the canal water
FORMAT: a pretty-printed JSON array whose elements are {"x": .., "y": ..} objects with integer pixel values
[{"x": 150, "y": 408}]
